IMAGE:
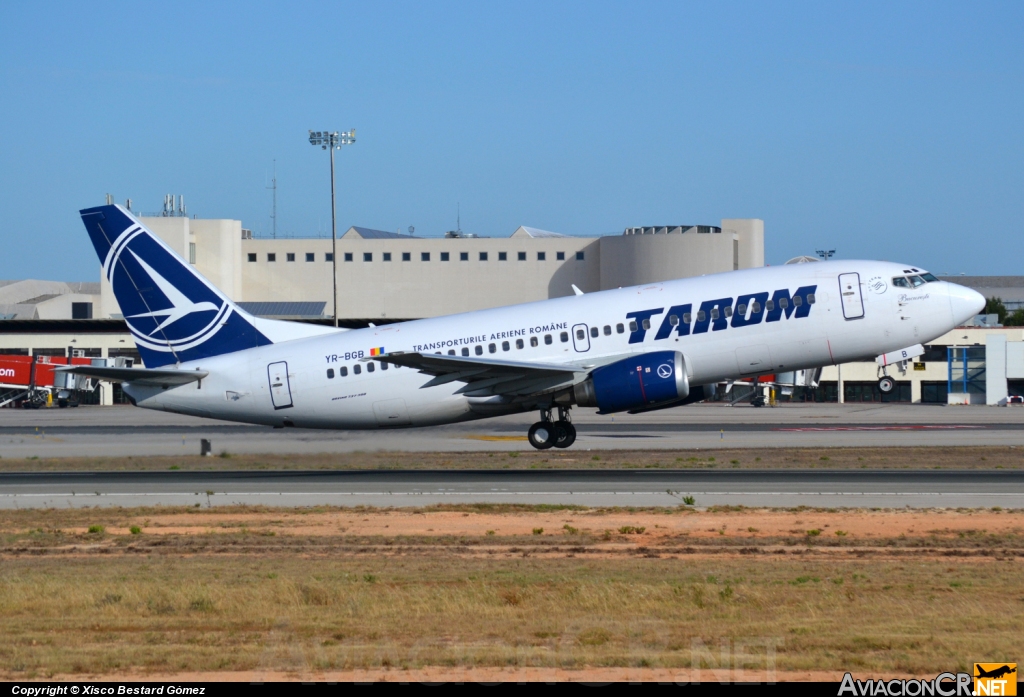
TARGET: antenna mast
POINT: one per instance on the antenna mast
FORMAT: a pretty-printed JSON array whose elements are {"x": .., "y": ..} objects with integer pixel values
[{"x": 273, "y": 187}]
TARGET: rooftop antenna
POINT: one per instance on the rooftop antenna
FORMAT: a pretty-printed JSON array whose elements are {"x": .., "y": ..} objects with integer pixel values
[
  {"x": 825, "y": 254},
  {"x": 458, "y": 217},
  {"x": 273, "y": 187}
]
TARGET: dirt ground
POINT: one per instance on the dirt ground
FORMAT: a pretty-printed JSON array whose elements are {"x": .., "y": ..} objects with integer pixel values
[
  {"x": 982, "y": 457},
  {"x": 515, "y": 593}
]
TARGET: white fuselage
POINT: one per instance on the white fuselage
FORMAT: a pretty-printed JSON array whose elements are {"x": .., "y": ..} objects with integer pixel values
[{"x": 288, "y": 383}]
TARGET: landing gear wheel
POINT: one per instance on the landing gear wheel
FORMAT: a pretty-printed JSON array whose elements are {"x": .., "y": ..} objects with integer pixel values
[
  {"x": 886, "y": 384},
  {"x": 565, "y": 434},
  {"x": 542, "y": 435}
]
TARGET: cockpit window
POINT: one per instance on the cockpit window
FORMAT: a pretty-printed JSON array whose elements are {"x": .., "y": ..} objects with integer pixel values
[
  {"x": 929, "y": 277},
  {"x": 916, "y": 281},
  {"x": 900, "y": 282}
]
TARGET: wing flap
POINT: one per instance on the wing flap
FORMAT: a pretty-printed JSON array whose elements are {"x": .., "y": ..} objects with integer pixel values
[{"x": 488, "y": 377}]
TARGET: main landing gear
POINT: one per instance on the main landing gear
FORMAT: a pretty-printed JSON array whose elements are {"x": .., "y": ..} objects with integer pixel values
[{"x": 546, "y": 434}]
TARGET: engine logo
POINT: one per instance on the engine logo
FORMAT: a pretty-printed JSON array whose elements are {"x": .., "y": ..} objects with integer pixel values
[{"x": 665, "y": 370}]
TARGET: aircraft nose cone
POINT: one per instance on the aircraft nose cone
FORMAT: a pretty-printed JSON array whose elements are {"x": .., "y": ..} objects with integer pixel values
[{"x": 964, "y": 302}]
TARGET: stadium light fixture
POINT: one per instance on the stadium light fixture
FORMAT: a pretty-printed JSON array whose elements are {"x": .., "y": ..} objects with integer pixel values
[{"x": 332, "y": 140}]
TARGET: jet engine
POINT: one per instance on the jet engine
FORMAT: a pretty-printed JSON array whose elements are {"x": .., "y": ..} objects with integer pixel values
[{"x": 636, "y": 382}]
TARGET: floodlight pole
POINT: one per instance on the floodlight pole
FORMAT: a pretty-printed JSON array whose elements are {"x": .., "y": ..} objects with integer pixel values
[{"x": 332, "y": 141}]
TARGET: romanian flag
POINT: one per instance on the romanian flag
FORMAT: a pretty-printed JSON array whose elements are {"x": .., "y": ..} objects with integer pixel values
[{"x": 379, "y": 351}]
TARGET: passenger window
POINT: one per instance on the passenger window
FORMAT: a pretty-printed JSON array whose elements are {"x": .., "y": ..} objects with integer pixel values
[
  {"x": 594, "y": 332},
  {"x": 770, "y": 305},
  {"x": 533, "y": 341},
  {"x": 342, "y": 371},
  {"x": 798, "y": 301},
  {"x": 564, "y": 336},
  {"x": 900, "y": 282},
  {"x": 741, "y": 310},
  {"x": 369, "y": 367},
  {"x": 607, "y": 330},
  {"x": 580, "y": 334},
  {"x": 505, "y": 346},
  {"x": 383, "y": 366},
  {"x": 547, "y": 339},
  {"x": 491, "y": 348},
  {"x": 686, "y": 318},
  {"x": 330, "y": 373},
  {"x": 519, "y": 343},
  {"x": 465, "y": 350},
  {"x": 646, "y": 324},
  {"x": 728, "y": 311},
  {"x": 619, "y": 328},
  {"x": 632, "y": 325},
  {"x": 810, "y": 298},
  {"x": 478, "y": 350},
  {"x": 783, "y": 303},
  {"x": 451, "y": 352},
  {"x": 701, "y": 316},
  {"x": 714, "y": 313},
  {"x": 356, "y": 369},
  {"x": 755, "y": 307}
]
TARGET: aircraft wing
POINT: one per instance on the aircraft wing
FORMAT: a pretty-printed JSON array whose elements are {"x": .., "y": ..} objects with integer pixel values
[
  {"x": 138, "y": 376},
  {"x": 486, "y": 377}
]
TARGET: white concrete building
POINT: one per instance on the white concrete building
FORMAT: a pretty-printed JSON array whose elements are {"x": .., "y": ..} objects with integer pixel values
[{"x": 385, "y": 275}]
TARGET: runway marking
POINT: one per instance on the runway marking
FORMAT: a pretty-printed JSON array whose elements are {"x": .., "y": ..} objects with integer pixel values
[
  {"x": 950, "y": 427},
  {"x": 481, "y": 437}
]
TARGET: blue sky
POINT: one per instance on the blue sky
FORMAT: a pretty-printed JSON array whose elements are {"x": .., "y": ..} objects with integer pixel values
[{"x": 885, "y": 130}]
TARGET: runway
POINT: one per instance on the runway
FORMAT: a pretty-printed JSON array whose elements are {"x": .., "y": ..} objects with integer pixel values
[
  {"x": 124, "y": 431},
  {"x": 754, "y": 488}
]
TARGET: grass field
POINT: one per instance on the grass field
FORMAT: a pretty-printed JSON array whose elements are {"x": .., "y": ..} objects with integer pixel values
[
  {"x": 306, "y": 592},
  {"x": 981, "y": 457}
]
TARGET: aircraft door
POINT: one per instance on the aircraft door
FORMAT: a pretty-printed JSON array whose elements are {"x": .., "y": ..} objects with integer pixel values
[
  {"x": 280, "y": 387},
  {"x": 849, "y": 291},
  {"x": 581, "y": 337}
]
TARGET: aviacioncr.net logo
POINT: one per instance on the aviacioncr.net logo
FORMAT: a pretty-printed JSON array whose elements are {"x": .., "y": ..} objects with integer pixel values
[{"x": 167, "y": 306}]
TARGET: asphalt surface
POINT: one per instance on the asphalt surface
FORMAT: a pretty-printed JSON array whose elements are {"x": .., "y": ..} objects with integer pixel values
[
  {"x": 789, "y": 488},
  {"x": 122, "y": 431}
]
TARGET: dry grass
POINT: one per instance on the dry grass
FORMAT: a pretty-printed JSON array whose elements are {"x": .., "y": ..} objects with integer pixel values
[
  {"x": 980, "y": 457},
  {"x": 340, "y": 589}
]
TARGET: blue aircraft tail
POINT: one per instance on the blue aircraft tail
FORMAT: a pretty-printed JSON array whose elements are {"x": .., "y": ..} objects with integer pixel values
[{"x": 174, "y": 314}]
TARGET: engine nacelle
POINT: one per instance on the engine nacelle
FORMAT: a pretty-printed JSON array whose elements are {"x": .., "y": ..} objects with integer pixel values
[{"x": 635, "y": 382}]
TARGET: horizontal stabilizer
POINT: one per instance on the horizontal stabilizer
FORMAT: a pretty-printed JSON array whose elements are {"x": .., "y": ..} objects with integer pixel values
[{"x": 138, "y": 376}]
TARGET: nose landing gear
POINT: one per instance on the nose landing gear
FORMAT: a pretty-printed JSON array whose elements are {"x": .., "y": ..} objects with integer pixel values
[
  {"x": 885, "y": 383},
  {"x": 546, "y": 434}
]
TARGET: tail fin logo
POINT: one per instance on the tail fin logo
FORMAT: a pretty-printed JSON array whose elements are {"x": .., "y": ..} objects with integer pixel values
[{"x": 167, "y": 307}]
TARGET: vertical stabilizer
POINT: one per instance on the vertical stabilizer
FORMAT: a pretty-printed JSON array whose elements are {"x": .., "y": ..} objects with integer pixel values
[{"x": 174, "y": 314}]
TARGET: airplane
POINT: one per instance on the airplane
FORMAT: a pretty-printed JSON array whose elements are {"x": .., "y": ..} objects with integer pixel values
[{"x": 632, "y": 350}]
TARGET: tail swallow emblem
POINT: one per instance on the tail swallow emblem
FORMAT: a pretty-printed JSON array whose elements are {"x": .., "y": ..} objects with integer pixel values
[{"x": 180, "y": 304}]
